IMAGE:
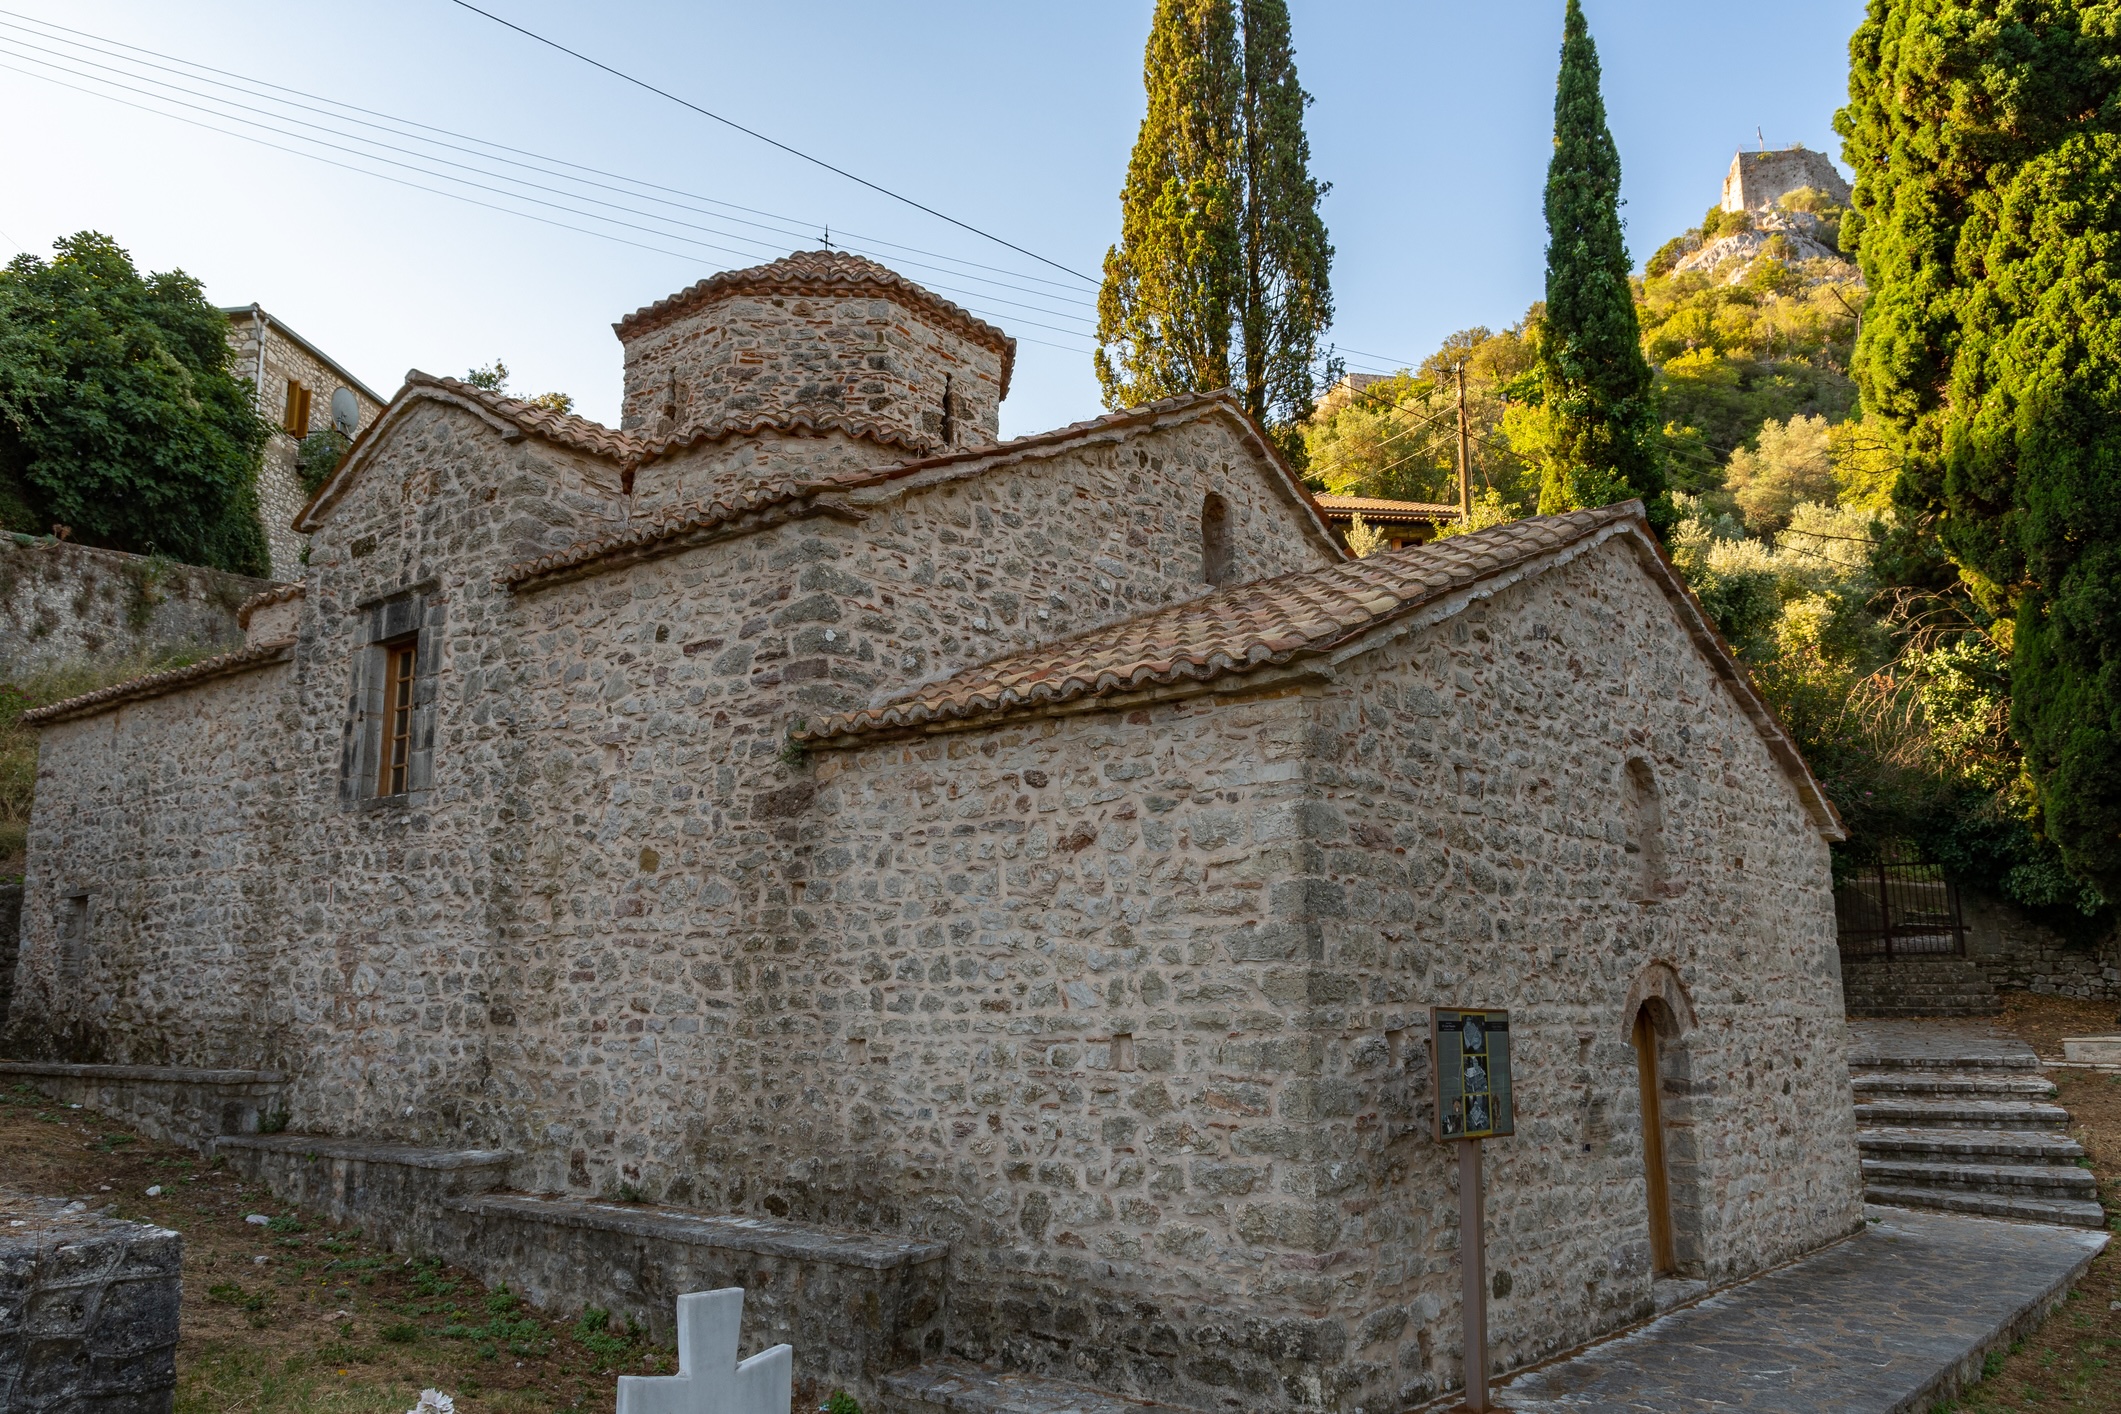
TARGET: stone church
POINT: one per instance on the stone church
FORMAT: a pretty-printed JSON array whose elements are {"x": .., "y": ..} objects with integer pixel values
[{"x": 985, "y": 895}]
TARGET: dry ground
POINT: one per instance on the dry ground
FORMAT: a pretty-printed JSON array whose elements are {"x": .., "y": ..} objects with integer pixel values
[
  {"x": 2073, "y": 1362},
  {"x": 327, "y": 1323}
]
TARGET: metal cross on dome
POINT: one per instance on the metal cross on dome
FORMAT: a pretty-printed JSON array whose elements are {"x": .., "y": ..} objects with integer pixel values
[{"x": 710, "y": 1379}]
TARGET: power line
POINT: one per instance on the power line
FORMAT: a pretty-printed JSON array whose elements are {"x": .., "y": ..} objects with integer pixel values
[
  {"x": 540, "y": 163},
  {"x": 771, "y": 142},
  {"x": 365, "y": 154}
]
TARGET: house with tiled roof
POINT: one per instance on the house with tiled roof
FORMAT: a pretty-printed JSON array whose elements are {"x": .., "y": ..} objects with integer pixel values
[{"x": 984, "y": 897}]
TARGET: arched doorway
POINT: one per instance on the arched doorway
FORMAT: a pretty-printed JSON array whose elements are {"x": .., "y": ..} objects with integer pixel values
[
  {"x": 1657, "y": 1175},
  {"x": 1660, "y": 1021}
]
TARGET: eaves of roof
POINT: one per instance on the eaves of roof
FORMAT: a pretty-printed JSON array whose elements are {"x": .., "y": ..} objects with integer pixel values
[
  {"x": 514, "y": 418},
  {"x": 258, "y": 312},
  {"x": 88, "y": 704},
  {"x": 1312, "y": 620}
]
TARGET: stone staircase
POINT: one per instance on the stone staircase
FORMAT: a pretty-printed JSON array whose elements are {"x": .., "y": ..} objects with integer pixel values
[
  {"x": 1922, "y": 985},
  {"x": 1957, "y": 1119}
]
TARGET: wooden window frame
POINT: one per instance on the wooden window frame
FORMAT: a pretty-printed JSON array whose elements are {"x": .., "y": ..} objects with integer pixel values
[
  {"x": 401, "y": 677},
  {"x": 295, "y": 419}
]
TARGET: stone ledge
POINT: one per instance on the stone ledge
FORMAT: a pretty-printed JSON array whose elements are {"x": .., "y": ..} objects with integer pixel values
[
  {"x": 324, "y": 1146},
  {"x": 856, "y": 1306},
  {"x": 768, "y": 1237},
  {"x": 166, "y": 1074},
  {"x": 186, "y": 1105},
  {"x": 959, "y": 1387}
]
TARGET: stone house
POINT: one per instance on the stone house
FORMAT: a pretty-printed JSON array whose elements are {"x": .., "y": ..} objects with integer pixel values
[
  {"x": 300, "y": 390},
  {"x": 996, "y": 887}
]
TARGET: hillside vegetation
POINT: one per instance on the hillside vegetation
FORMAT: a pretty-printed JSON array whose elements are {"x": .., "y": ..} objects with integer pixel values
[{"x": 1895, "y": 682}]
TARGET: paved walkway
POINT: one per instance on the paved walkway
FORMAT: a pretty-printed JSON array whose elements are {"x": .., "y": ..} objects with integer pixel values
[{"x": 1891, "y": 1320}]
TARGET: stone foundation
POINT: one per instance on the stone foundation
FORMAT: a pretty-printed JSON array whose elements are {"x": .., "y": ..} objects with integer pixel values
[
  {"x": 88, "y": 1310},
  {"x": 394, "y": 1192}
]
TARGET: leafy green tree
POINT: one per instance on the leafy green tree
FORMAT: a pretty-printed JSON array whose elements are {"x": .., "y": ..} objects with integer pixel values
[
  {"x": 1987, "y": 217},
  {"x": 1793, "y": 464},
  {"x": 1595, "y": 385},
  {"x": 1221, "y": 273},
  {"x": 120, "y": 414},
  {"x": 493, "y": 378}
]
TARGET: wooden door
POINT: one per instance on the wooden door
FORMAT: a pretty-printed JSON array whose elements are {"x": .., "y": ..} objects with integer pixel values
[{"x": 1662, "y": 1259}]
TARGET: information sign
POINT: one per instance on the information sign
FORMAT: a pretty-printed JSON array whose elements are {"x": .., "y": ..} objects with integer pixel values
[{"x": 1470, "y": 1050}]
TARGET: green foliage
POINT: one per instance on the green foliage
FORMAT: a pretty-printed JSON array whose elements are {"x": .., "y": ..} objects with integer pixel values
[
  {"x": 1220, "y": 276},
  {"x": 1398, "y": 437},
  {"x": 841, "y": 1402},
  {"x": 1489, "y": 509},
  {"x": 1987, "y": 215},
  {"x": 1364, "y": 539},
  {"x": 1793, "y": 463},
  {"x": 319, "y": 456},
  {"x": 1596, "y": 389},
  {"x": 493, "y": 378},
  {"x": 120, "y": 414}
]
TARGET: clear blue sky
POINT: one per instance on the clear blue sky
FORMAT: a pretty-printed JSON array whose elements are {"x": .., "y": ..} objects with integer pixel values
[{"x": 1432, "y": 122}]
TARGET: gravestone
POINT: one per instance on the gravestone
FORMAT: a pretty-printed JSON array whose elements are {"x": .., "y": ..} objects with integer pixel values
[{"x": 710, "y": 1379}]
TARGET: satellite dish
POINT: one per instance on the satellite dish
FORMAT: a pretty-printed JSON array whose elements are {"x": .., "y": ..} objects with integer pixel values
[{"x": 345, "y": 412}]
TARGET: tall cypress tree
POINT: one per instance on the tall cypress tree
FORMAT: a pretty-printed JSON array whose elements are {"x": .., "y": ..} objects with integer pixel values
[
  {"x": 1601, "y": 417},
  {"x": 1220, "y": 276},
  {"x": 1988, "y": 223}
]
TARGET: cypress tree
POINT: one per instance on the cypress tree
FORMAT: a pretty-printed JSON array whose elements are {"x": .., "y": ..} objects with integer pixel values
[
  {"x": 1601, "y": 418},
  {"x": 1988, "y": 223},
  {"x": 1220, "y": 276}
]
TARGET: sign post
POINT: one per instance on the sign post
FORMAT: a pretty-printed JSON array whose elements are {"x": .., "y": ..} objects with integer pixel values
[{"x": 1469, "y": 1057}]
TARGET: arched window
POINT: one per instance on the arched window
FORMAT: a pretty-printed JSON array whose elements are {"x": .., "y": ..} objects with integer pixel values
[
  {"x": 1215, "y": 556},
  {"x": 1644, "y": 824}
]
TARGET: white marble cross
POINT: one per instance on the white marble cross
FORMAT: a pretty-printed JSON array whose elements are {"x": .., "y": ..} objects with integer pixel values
[{"x": 709, "y": 1379}]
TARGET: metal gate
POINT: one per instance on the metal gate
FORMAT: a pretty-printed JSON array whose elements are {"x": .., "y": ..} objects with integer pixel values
[{"x": 1899, "y": 908}]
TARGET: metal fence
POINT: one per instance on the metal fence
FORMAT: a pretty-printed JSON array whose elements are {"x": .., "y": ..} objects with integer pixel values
[{"x": 1899, "y": 908}]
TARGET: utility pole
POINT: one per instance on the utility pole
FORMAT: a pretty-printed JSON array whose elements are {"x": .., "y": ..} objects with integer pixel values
[{"x": 1465, "y": 451}]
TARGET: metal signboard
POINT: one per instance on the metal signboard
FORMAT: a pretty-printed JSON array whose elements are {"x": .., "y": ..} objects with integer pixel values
[{"x": 1469, "y": 1049}]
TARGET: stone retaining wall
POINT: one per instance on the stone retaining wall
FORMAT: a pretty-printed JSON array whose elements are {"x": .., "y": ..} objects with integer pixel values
[
  {"x": 2020, "y": 954},
  {"x": 63, "y": 604}
]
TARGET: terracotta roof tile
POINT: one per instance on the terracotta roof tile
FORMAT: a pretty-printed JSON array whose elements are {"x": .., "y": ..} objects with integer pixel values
[
  {"x": 824, "y": 273},
  {"x": 1306, "y": 614},
  {"x": 743, "y": 495},
  {"x": 1233, "y": 630},
  {"x": 563, "y": 428},
  {"x": 278, "y": 594},
  {"x": 157, "y": 684},
  {"x": 1377, "y": 508}
]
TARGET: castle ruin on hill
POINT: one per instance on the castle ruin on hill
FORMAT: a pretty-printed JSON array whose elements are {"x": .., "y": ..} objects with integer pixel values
[{"x": 983, "y": 897}]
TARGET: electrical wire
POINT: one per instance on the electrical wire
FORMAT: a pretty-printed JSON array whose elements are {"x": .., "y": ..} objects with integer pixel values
[
  {"x": 771, "y": 142},
  {"x": 372, "y": 156},
  {"x": 971, "y": 271}
]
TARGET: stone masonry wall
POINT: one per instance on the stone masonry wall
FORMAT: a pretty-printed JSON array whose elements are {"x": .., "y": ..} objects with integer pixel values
[
  {"x": 626, "y": 933},
  {"x": 156, "y": 914},
  {"x": 759, "y": 355},
  {"x": 1760, "y": 179},
  {"x": 63, "y": 604},
  {"x": 2018, "y": 953},
  {"x": 280, "y": 493}
]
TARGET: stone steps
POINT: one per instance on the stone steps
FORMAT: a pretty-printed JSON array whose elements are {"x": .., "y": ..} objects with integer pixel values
[
  {"x": 2068, "y": 1212},
  {"x": 1925, "y": 1084},
  {"x": 1959, "y": 1118},
  {"x": 1945, "y": 1145},
  {"x": 1922, "y": 985},
  {"x": 959, "y": 1387},
  {"x": 2033, "y": 1180},
  {"x": 1960, "y": 1114}
]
